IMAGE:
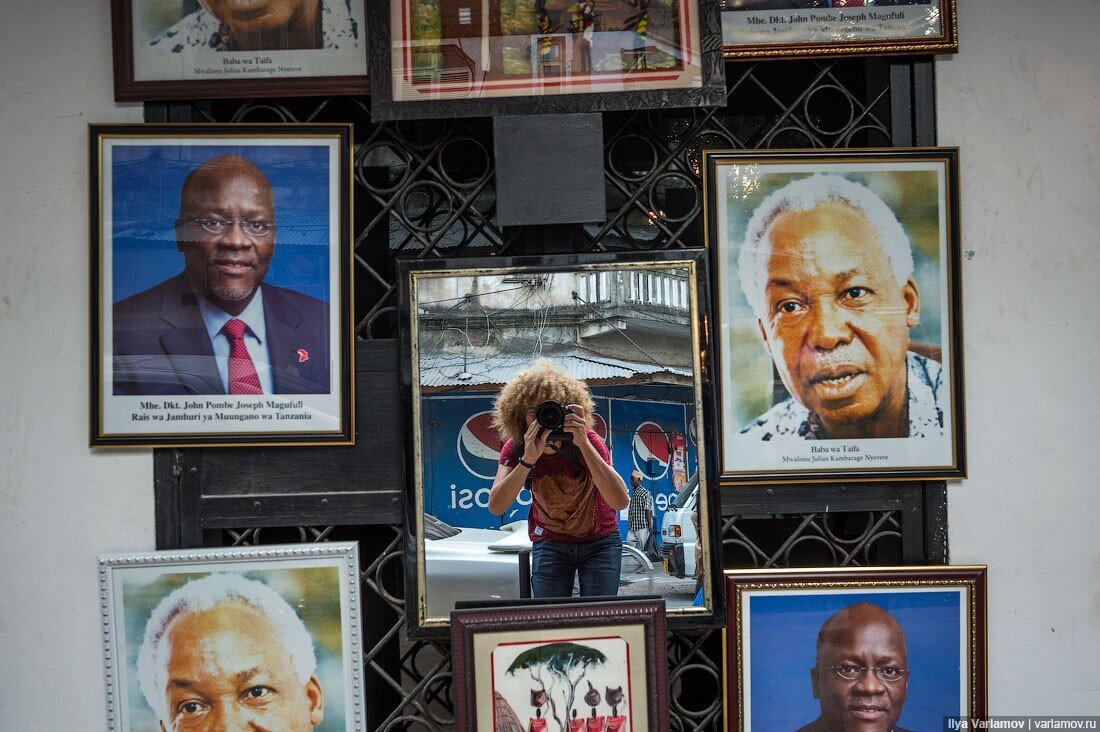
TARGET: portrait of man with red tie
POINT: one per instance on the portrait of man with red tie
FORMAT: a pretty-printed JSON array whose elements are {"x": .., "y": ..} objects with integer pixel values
[
  {"x": 814, "y": 4},
  {"x": 217, "y": 327}
]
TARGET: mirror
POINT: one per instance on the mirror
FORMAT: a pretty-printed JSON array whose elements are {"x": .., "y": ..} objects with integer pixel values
[{"x": 625, "y": 333}]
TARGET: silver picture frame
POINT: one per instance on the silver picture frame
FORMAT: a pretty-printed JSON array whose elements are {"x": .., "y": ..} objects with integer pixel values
[{"x": 177, "y": 591}]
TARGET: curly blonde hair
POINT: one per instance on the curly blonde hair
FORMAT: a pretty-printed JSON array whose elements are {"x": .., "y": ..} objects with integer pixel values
[{"x": 531, "y": 387}]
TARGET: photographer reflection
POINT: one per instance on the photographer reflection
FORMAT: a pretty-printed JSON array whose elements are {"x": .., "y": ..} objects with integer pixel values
[{"x": 544, "y": 417}]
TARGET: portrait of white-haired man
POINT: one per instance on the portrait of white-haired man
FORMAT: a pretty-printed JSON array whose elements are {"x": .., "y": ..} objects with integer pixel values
[
  {"x": 228, "y": 653},
  {"x": 827, "y": 269}
]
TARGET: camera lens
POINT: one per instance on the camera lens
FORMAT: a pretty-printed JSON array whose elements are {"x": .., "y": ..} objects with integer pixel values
[{"x": 550, "y": 415}]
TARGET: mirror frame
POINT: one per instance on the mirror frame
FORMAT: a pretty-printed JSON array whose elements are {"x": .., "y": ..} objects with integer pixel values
[{"x": 412, "y": 271}]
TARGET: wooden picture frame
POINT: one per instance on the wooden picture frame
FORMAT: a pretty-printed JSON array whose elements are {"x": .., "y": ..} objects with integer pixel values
[
  {"x": 846, "y": 383},
  {"x": 652, "y": 412},
  {"x": 512, "y": 658},
  {"x": 185, "y": 51},
  {"x": 163, "y": 287},
  {"x": 785, "y": 29},
  {"x": 287, "y": 622},
  {"x": 541, "y": 59},
  {"x": 797, "y": 645}
]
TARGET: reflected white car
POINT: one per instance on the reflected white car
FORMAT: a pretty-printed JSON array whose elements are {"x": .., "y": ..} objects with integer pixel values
[
  {"x": 678, "y": 534},
  {"x": 471, "y": 564},
  {"x": 484, "y": 564}
]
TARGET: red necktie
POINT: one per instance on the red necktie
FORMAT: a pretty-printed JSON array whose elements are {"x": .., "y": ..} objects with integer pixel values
[{"x": 242, "y": 374}]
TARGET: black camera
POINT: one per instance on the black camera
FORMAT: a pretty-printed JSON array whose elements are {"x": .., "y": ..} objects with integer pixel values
[{"x": 551, "y": 416}]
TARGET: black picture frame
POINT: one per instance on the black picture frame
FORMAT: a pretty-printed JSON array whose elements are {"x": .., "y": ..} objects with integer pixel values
[
  {"x": 155, "y": 379},
  {"x": 427, "y": 612},
  {"x": 639, "y": 625},
  {"x": 144, "y": 74},
  {"x": 385, "y": 106},
  {"x": 770, "y": 436}
]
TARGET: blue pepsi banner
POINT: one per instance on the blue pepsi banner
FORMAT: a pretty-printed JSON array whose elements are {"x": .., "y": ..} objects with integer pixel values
[
  {"x": 461, "y": 449},
  {"x": 652, "y": 436}
]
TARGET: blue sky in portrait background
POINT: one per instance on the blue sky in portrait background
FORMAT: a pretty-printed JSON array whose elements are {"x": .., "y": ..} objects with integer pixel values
[
  {"x": 146, "y": 182},
  {"x": 313, "y": 592},
  {"x": 913, "y": 196},
  {"x": 783, "y": 631}
]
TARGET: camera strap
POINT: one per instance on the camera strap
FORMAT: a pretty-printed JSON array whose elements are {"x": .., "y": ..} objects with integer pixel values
[{"x": 570, "y": 452}]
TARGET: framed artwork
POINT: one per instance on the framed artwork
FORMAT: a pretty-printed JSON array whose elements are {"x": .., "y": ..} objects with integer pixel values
[
  {"x": 454, "y": 58},
  {"x": 616, "y": 342},
  {"x": 268, "y": 636},
  {"x": 837, "y": 314},
  {"x": 776, "y": 29},
  {"x": 221, "y": 284},
  {"x": 190, "y": 49},
  {"x": 888, "y": 648},
  {"x": 596, "y": 667}
]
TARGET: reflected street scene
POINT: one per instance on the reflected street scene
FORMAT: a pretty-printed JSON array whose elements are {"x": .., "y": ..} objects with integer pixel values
[{"x": 613, "y": 486}]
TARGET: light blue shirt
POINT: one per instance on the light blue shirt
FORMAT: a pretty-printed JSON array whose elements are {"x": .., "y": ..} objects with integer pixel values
[
  {"x": 255, "y": 338},
  {"x": 924, "y": 377}
]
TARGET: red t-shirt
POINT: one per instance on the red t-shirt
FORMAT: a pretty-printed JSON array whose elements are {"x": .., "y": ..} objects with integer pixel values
[{"x": 566, "y": 505}]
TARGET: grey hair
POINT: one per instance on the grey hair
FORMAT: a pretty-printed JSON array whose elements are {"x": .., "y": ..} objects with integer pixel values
[
  {"x": 805, "y": 194},
  {"x": 204, "y": 594}
]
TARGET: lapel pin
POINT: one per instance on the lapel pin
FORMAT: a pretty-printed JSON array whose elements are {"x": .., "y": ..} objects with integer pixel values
[{"x": 303, "y": 355}]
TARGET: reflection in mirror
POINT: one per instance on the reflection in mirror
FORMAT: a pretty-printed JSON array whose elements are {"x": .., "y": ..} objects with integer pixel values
[{"x": 611, "y": 504}]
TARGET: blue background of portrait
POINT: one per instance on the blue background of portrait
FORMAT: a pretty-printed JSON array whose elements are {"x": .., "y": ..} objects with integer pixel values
[
  {"x": 783, "y": 631},
  {"x": 147, "y": 180}
]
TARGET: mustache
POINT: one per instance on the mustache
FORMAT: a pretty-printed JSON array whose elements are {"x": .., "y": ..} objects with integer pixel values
[
  {"x": 842, "y": 355},
  {"x": 869, "y": 703},
  {"x": 236, "y": 261}
]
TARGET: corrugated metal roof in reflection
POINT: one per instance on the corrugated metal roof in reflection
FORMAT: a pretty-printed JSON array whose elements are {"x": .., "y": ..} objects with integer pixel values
[{"x": 469, "y": 371}]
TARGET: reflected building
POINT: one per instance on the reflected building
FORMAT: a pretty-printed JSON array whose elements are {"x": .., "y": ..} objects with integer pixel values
[{"x": 627, "y": 333}]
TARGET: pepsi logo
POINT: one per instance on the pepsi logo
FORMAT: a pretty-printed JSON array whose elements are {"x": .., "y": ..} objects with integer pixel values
[
  {"x": 479, "y": 446},
  {"x": 651, "y": 450},
  {"x": 599, "y": 426},
  {"x": 691, "y": 433}
]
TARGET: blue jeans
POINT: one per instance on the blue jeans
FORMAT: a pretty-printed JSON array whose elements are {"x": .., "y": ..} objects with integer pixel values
[{"x": 554, "y": 564}]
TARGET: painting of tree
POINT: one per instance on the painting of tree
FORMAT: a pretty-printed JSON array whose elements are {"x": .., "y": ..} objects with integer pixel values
[{"x": 547, "y": 675}]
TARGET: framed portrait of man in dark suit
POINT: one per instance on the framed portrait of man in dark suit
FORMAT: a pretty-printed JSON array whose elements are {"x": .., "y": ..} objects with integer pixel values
[
  {"x": 221, "y": 280},
  {"x": 784, "y": 29},
  {"x": 882, "y": 649}
]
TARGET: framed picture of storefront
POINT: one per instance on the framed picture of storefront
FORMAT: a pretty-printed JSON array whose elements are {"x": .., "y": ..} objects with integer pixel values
[
  {"x": 884, "y": 648},
  {"x": 202, "y": 49},
  {"x": 837, "y": 314},
  {"x": 590, "y": 370},
  {"x": 778, "y": 29},
  {"x": 456, "y": 58},
  {"x": 221, "y": 285}
]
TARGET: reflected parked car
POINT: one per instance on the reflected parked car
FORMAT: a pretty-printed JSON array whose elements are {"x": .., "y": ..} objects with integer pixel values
[
  {"x": 484, "y": 564},
  {"x": 461, "y": 564},
  {"x": 678, "y": 535}
]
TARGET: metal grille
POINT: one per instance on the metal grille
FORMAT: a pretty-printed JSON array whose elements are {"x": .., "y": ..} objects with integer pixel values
[
  {"x": 409, "y": 684},
  {"x": 427, "y": 189}
]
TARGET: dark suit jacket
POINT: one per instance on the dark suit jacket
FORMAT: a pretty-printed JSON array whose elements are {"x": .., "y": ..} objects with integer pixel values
[
  {"x": 161, "y": 346},
  {"x": 818, "y": 726}
]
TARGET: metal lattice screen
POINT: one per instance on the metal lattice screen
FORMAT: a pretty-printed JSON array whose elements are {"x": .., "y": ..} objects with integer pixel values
[{"x": 428, "y": 189}]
